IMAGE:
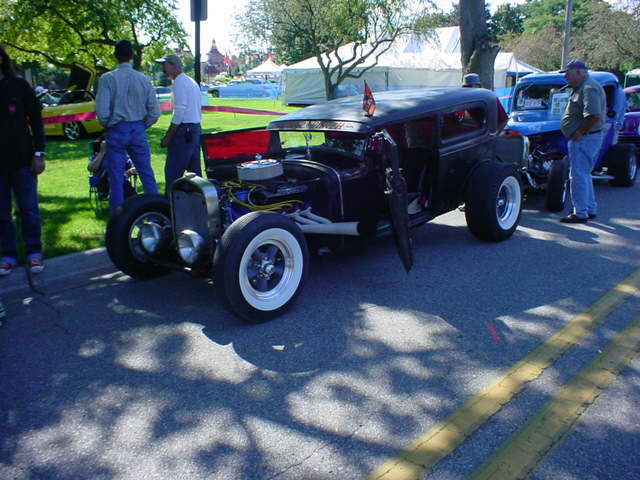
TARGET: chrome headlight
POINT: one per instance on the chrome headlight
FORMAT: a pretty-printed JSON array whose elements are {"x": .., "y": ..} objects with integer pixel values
[
  {"x": 151, "y": 236},
  {"x": 190, "y": 246}
]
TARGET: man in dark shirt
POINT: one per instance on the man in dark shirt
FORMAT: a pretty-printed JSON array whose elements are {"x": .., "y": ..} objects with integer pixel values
[
  {"x": 22, "y": 160},
  {"x": 582, "y": 123}
]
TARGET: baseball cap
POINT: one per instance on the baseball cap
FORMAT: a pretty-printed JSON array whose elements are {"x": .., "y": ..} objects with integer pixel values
[
  {"x": 574, "y": 64},
  {"x": 171, "y": 58},
  {"x": 471, "y": 80}
]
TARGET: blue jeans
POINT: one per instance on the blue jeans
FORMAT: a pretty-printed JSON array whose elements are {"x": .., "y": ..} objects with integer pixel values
[
  {"x": 183, "y": 153},
  {"x": 122, "y": 139},
  {"x": 24, "y": 185},
  {"x": 582, "y": 158}
]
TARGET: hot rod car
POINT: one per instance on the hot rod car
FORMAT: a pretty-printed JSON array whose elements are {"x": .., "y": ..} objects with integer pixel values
[
  {"x": 324, "y": 176},
  {"x": 537, "y": 106}
]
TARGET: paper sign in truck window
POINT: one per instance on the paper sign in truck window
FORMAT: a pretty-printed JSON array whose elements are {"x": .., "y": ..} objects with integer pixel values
[{"x": 559, "y": 103}]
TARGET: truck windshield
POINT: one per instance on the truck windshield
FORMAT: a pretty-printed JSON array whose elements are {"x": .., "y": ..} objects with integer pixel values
[
  {"x": 537, "y": 97},
  {"x": 343, "y": 141}
]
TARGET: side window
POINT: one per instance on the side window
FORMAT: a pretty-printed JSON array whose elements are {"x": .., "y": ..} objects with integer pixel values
[
  {"x": 420, "y": 133},
  {"x": 463, "y": 122},
  {"x": 610, "y": 93}
]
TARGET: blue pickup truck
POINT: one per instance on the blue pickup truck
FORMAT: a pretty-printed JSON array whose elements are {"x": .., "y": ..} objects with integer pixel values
[{"x": 536, "y": 107}]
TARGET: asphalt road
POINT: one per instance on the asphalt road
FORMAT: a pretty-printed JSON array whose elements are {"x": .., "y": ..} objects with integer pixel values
[{"x": 103, "y": 377}]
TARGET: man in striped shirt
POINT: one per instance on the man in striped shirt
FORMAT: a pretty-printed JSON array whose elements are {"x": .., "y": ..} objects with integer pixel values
[{"x": 126, "y": 105}]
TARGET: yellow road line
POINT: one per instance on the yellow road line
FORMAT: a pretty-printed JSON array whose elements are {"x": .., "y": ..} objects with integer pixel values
[
  {"x": 548, "y": 428},
  {"x": 422, "y": 454}
]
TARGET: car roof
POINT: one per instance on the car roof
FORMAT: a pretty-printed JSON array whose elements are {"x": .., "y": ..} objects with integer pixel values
[
  {"x": 346, "y": 114},
  {"x": 558, "y": 78}
]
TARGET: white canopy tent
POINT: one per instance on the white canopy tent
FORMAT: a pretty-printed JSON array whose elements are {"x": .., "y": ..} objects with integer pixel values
[
  {"x": 410, "y": 62},
  {"x": 267, "y": 70}
]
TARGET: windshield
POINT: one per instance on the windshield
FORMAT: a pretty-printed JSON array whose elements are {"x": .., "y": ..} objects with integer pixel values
[
  {"x": 633, "y": 101},
  {"x": 351, "y": 143},
  {"x": 537, "y": 97}
]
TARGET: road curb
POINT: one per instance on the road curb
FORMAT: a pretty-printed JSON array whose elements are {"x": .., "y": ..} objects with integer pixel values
[{"x": 60, "y": 273}]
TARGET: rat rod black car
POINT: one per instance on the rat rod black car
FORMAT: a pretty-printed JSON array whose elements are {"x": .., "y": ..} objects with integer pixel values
[{"x": 325, "y": 176}]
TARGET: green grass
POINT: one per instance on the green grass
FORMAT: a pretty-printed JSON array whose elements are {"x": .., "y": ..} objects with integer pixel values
[{"x": 68, "y": 221}]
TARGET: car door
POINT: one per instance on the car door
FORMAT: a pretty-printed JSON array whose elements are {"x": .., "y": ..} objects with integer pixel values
[{"x": 464, "y": 140}]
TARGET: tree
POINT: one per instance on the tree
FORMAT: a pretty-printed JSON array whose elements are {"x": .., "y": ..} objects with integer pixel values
[
  {"x": 297, "y": 29},
  {"x": 604, "y": 36},
  {"x": 62, "y": 33},
  {"x": 508, "y": 20},
  {"x": 477, "y": 49},
  {"x": 610, "y": 39}
]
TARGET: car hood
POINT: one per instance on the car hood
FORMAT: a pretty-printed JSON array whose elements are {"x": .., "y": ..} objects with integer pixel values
[
  {"x": 532, "y": 122},
  {"x": 81, "y": 78}
]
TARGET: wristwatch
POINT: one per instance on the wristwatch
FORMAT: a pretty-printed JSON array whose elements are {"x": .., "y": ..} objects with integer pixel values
[{"x": 38, "y": 154}]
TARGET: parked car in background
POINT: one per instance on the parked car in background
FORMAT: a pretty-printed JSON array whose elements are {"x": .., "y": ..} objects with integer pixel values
[
  {"x": 630, "y": 132},
  {"x": 324, "y": 176},
  {"x": 76, "y": 99},
  {"x": 70, "y": 102},
  {"x": 537, "y": 105},
  {"x": 250, "y": 88}
]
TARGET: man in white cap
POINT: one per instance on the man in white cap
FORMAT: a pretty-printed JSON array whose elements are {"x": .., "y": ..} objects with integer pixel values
[
  {"x": 182, "y": 139},
  {"x": 582, "y": 123}
]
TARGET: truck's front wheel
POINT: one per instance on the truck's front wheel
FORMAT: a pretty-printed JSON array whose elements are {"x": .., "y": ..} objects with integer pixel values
[{"x": 557, "y": 185}]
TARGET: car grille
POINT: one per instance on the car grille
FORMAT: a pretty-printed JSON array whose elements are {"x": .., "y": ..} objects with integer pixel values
[
  {"x": 189, "y": 210},
  {"x": 630, "y": 139}
]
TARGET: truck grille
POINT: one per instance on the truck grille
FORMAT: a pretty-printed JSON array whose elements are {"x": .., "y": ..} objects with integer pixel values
[
  {"x": 189, "y": 211},
  {"x": 630, "y": 139}
]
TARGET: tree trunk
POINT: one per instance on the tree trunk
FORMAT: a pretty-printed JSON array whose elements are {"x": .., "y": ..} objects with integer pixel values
[
  {"x": 477, "y": 51},
  {"x": 329, "y": 87},
  {"x": 137, "y": 57}
]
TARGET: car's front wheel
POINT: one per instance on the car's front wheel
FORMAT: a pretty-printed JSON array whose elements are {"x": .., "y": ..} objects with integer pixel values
[
  {"x": 557, "y": 185},
  {"x": 123, "y": 237},
  {"x": 493, "y": 201},
  {"x": 260, "y": 265},
  {"x": 622, "y": 163},
  {"x": 72, "y": 130},
  {"x": 215, "y": 93}
]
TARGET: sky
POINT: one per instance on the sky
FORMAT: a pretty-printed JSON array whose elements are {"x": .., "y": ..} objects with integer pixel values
[{"x": 220, "y": 21}]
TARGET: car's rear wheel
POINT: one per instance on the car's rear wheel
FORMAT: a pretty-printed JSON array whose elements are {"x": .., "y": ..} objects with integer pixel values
[
  {"x": 260, "y": 265},
  {"x": 622, "y": 163},
  {"x": 493, "y": 201},
  {"x": 215, "y": 93},
  {"x": 72, "y": 130},
  {"x": 557, "y": 185},
  {"x": 123, "y": 235}
]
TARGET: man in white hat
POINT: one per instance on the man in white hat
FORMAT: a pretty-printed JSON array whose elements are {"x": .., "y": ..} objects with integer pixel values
[{"x": 182, "y": 139}]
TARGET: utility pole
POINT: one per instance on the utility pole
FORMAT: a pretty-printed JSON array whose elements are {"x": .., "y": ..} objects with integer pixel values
[
  {"x": 566, "y": 37},
  {"x": 198, "y": 13}
]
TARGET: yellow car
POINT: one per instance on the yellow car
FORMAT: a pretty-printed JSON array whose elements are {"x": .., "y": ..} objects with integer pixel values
[{"x": 71, "y": 113}]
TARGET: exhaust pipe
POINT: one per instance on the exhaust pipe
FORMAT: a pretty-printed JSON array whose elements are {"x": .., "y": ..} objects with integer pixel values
[{"x": 311, "y": 223}]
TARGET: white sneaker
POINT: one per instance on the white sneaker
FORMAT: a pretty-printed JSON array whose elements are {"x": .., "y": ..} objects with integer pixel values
[
  {"x": 5, "y": 268},
  {"x": 35, "y": 265}
]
